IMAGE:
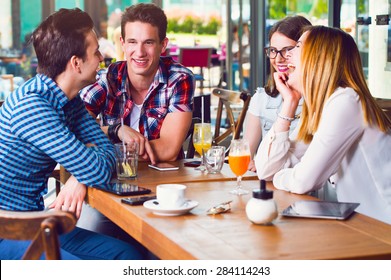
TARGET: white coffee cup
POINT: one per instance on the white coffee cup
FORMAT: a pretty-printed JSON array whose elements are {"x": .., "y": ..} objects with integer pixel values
[{"x": 170, "y": 196}]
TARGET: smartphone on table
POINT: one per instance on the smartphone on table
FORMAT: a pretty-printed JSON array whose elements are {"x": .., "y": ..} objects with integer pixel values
[
  {"x": 193, "y": 163},
  {"x": 164, "y": 166},
  {"x": 123, "y": 188},
  {"x": 137, "y": 200}
]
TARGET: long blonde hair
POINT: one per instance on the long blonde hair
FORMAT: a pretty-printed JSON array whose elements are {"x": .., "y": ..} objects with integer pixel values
[{"x": 330, "y": 59}]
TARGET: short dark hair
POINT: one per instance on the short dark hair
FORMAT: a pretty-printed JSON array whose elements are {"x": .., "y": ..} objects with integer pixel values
[
  {"x": 58, "y": 38},
  {"x": 146, "y": 13},
  {"x": 292, "y": 27}
]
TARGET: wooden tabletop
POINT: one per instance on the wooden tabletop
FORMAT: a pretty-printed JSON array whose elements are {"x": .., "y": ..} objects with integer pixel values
[
  {"x": 184, "y": 174},
  {"x": 231, "y": 235}
]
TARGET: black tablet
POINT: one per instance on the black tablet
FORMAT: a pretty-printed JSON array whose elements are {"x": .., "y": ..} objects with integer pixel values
[
  {"x": 320, "y": 209},
  {"x": 123, "y": 188}
]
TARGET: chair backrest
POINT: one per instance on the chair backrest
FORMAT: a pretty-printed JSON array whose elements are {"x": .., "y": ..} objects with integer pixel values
[
  {"x": 61, "y": 176},
  {"x": 195, "y": 56},
  {"x": 6, "y": 86},
  {"x": 9, "y": 77},
  {"x": 228, "y": 98},
  {"x": 197, "y": 107},
  {"x": 385, "y": 104},
  {"x": 41, "y": 227}
]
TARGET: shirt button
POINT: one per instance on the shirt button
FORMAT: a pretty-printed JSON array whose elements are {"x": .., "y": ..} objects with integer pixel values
[{"x": 159, "y": 116}]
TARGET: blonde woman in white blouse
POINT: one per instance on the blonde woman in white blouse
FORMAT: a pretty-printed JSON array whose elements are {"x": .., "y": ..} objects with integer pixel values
[{"x": 342, "y": 131}]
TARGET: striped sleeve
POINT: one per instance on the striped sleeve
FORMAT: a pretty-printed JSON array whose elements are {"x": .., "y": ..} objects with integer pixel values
[{"x": 35, "y": 121}]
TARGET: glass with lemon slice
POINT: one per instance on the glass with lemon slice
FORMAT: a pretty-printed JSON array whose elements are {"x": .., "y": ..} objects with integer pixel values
[{"x": 126, "y": 160}]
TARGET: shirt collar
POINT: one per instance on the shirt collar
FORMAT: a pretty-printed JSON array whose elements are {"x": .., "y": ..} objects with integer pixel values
[
  {"x": 161, "y": 76},
  {"x": 52, "y": 91}
]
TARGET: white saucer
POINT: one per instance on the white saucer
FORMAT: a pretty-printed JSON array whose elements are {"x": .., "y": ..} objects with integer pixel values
[{"x": 158, "y": 210}]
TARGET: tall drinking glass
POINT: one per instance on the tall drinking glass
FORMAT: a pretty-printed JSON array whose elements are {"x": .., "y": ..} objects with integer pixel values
[
  {"x": 202, "y": 140},
  {"x": 238, "y": 159}
]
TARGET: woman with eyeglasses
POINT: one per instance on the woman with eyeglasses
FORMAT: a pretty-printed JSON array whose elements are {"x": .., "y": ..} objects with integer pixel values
[
  {"x": 342, "y": 129},
  {"x": 266, "y": 102}
]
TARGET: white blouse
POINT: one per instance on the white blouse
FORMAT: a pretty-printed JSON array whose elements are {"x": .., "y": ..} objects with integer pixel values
[
  {"x": 358, "y": 155},
  {"x": 266, "y": 108}
]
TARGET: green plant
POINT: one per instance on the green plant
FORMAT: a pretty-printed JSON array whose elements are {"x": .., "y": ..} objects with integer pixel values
[
  {"x": 193, "y": 24},
  {"x": 187, "y": 24},
  {"x": 213, "y": 26},
  {"x": 173, "y": 25}
]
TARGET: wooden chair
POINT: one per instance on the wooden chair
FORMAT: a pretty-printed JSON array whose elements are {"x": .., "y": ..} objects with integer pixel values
[
  {"x": 385, "y": 104},
  {"x": 5, "y": 77},
  {"x": 9, "y": 77},
  {"x": 56, "y": 175},
  {"x": 61, "y": 175},
  {"x": 197, "y": 57},
  {"x": 197, "y": 107},
  {"x": 41, "y": 227},
  {"x": 227, "y": 99}
]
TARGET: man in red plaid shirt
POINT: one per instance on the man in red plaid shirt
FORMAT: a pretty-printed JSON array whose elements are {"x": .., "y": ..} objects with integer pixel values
[{"x": 152, "y": 94}]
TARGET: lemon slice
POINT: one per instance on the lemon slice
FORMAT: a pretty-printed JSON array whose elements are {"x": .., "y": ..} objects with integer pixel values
[{"x": 127, "y": 169}]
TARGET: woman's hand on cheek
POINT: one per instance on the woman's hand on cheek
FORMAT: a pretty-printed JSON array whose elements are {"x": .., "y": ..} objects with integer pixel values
[
  {"x": 281, "y": 82},
  {"x": 287, "y": 93}
]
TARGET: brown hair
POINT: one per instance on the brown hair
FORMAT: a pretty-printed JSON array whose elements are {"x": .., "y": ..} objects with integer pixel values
[
  {"x": 146, "y": 13},
  {"x": 290, "y": 27},
  {"x": 330, "y": 59},
  {"x": 58, "y": 38}
]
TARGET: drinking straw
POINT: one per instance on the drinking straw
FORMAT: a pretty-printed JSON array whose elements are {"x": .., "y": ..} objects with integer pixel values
[
  {"x": 122, "y": 126},
  {"x": 123, "y": 140},
  {"x": 202, "y": 118},
  {"x": 202, "y": 110}
]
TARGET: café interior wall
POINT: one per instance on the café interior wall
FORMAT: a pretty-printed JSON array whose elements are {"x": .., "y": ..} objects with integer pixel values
[{"x": 379, "y": 79}]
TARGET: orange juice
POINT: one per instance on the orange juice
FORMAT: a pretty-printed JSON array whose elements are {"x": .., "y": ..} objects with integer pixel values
[
  {"x": 202, "y": 145},
  {"x": 239, "y": 164}
]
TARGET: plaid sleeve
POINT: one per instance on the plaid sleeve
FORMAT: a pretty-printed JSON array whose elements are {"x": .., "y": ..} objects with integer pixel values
[
  {"x": 182, "y": 94},
  {"x": 94, "y": 96}
]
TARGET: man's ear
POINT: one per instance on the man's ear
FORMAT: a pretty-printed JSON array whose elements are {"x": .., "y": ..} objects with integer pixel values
[
  {"x": 76, "y": 63},
  {"x": 164, "y": 45}
]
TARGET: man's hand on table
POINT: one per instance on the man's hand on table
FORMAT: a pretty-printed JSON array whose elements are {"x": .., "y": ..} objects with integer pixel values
[{"x": 128, "y": 134}]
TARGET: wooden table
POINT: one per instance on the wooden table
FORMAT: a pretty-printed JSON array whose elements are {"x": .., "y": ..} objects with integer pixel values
[
  {"x": 197, "y": 235},
  {"x": 149, "y": 176}
]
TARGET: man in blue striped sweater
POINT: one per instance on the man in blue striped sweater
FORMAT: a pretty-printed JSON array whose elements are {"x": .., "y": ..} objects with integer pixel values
[{"x": 44, "y": 122}]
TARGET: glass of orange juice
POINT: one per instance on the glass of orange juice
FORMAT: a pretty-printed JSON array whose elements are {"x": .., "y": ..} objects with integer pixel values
[
  {"x": 202, "y": 140},
  {"x": 238, "y": 159}
]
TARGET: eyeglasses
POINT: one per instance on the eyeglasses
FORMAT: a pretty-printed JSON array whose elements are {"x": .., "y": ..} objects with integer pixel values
[{"x": 272, "y": 52}]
